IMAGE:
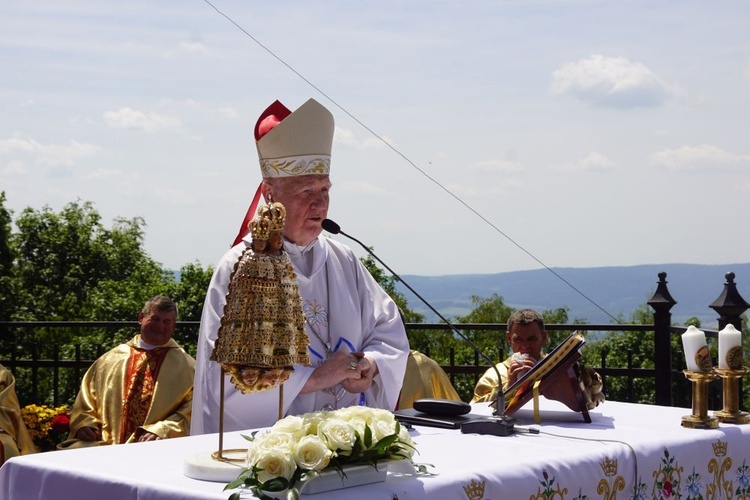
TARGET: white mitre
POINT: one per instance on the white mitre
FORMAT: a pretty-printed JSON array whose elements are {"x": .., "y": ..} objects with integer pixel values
[{"x": 295, "y": 143}]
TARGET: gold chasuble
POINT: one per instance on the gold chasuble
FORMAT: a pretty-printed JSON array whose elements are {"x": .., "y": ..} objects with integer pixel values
[
  {"x": 129, "y": 390},
  {"x": 486, "y": 388},
  {"x": 424, "y": 378},
  {"x": 140, "y": 380},
  {"x": 14, "y": 436}
]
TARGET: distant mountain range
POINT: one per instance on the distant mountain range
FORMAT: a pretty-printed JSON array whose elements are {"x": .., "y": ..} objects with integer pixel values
[{"x": 616, "y": 290}]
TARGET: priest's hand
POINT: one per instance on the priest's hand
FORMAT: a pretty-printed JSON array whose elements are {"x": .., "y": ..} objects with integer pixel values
[
  {"x": 518, "y": 367},
  {"x": 88, "y": 434},
  {"x": 147, "y": 436},
  {"x": 339, "y": 367}
]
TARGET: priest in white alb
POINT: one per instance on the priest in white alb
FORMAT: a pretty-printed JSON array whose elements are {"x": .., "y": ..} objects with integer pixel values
[{"x": 358, "y": 346}]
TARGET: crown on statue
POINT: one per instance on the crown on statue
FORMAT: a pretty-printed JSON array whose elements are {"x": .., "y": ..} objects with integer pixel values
[
  {"x": 260, "y": 229},
  {"x": 275, "y": 214}
]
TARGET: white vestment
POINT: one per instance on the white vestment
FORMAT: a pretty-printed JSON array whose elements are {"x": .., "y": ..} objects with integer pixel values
[{"x": 343, "y": 303}]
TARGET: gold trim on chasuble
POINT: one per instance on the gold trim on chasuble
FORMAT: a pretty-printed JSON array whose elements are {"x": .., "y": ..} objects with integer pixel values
[{"x": 140, "y": 380}]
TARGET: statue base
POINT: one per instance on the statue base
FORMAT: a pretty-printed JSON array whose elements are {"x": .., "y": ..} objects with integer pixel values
[{"x": 207, "y": 466}]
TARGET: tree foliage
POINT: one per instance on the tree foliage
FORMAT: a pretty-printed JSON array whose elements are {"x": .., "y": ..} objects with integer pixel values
[
  {"x": 69, "y": 266},
  {"x": 6, "y": 261},
  {"x": 388, "y": 283}
]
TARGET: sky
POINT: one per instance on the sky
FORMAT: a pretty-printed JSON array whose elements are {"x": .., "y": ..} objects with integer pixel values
[{"x": 471, "y": 137}]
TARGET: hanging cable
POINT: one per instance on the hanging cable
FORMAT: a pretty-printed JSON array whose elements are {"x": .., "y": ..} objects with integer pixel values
[{"x": 405, "y": 158}]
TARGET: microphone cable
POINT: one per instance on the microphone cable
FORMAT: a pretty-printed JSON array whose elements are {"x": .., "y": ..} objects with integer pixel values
[
  {"x": 534, "y": 431},
  {"x": 414, "y": 165}
]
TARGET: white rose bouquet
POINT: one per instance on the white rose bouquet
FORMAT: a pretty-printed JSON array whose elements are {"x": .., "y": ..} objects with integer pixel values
[{"x": 298, "y": 448}]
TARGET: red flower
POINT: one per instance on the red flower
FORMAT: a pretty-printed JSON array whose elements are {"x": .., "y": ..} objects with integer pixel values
[
  {"x": 667, "y": 489},
  {"x": 61, "y": 423}
]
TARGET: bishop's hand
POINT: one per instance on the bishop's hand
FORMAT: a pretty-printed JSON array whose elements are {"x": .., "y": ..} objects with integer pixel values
[{"x": 335, "y": 370}]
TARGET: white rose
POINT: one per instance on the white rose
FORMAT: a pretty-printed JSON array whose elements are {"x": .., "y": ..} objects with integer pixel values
[
  {"x": 313, "y": 420},
  {"x": 276, "y": 463},
  {"x": 337, "y": 434},
  {"x": 252, "y": 455},
  {"x": 291, "y": 425},
  {"x": 272, "y": 441},
  {"x": 382, "y": 428},
  {"x": 383, "y": 416},
  {"x": 311, "y": 453},
  {"x": 358, "y": 424},
  {"x": 362, "y": 412},
  {"x": 405, "y": 442}
]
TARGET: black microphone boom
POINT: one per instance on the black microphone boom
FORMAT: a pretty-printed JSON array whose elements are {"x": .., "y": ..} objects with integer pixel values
[{"x": 500, "y": 424}]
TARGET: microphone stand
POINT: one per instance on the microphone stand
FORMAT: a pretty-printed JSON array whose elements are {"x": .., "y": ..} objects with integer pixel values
[{"x": 497, "y": 425}]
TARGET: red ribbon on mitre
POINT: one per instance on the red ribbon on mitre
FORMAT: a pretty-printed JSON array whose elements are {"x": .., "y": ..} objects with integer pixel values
[{"x": 272, "y": 116}]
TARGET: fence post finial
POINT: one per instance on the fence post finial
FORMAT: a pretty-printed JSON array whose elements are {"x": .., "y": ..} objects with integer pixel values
[
  {"x": 661, "y": 302},
  {"x": 729, "y": 304}
]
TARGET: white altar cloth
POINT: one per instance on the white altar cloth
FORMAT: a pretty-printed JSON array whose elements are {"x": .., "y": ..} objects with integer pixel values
[{"x": 625, "y": 445}]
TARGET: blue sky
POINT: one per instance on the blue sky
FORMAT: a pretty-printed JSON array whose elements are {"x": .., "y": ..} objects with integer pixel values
[{"x": 583, "y": 133}]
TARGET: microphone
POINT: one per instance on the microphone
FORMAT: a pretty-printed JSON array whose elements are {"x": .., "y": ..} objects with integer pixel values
[{"x": 497, "y": 425}]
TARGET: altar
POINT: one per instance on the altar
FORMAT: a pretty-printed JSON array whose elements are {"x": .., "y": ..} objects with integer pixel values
[{"x": 628, "y": 450}]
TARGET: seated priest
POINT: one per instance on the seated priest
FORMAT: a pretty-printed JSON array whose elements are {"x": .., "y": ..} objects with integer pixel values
[
  {"x": 527, "y": 337},
  {"x": 424, "y": 379},
  {"x": 14, "y": 436},
  {"x": 141, "y": 390},
  {"x": 357, "y": 342}
]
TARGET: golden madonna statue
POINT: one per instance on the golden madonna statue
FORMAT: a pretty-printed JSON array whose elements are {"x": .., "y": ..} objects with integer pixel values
[{"x": 262, "y": 332}]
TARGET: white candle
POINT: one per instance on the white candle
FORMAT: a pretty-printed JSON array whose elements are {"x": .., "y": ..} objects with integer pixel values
[
  {"x": 730, "y": 348},
  {"x": 696, "y": 350}
]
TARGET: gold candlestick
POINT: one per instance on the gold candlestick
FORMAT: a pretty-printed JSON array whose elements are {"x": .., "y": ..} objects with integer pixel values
[
  {"x": 730, "y": 383},
  {"x": 700, "y": 419}
]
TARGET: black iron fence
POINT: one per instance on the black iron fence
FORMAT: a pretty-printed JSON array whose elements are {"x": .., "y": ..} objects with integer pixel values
[
  {"x": 47, "y": 373},
  {"x": 35, "y": 362}
]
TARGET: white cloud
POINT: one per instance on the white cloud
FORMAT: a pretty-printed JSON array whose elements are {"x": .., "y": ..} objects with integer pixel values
[
  {"x": 346, "y": 137},
  {"x": 195, "y": 48},
  {"x": 700, "y": 157},
  {"x": 131, "y": 119},
  {"x": 375, "y": 142},
  {"x": 493, "y": 166},
  {"x": 103, "y": 173},
  {"x": 228, "y": 112},
  {"x": 612, "y": 82},
  {"x": 56, "y": 155},
  {"x": 367, "y": 188},
  {"x": 160, "y": 196},
  {"x": 49, "y": 154},
  {"x": 746, "y": 73},
  {"x": 14, "y": 168},
  {"x": 596, "y": 161},
  {"x": 485, "y": 189},
  {"x": 593, "y": 162}
]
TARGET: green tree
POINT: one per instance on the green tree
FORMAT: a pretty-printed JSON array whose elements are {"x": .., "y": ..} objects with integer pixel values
[
  {"x": 69, "y": 266},
  {"x": 388, "y": 283},
  {"x": 189, "y": 292},
  {"x": 6, "y": 261},
  {"x": 622, "y": 349}
]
